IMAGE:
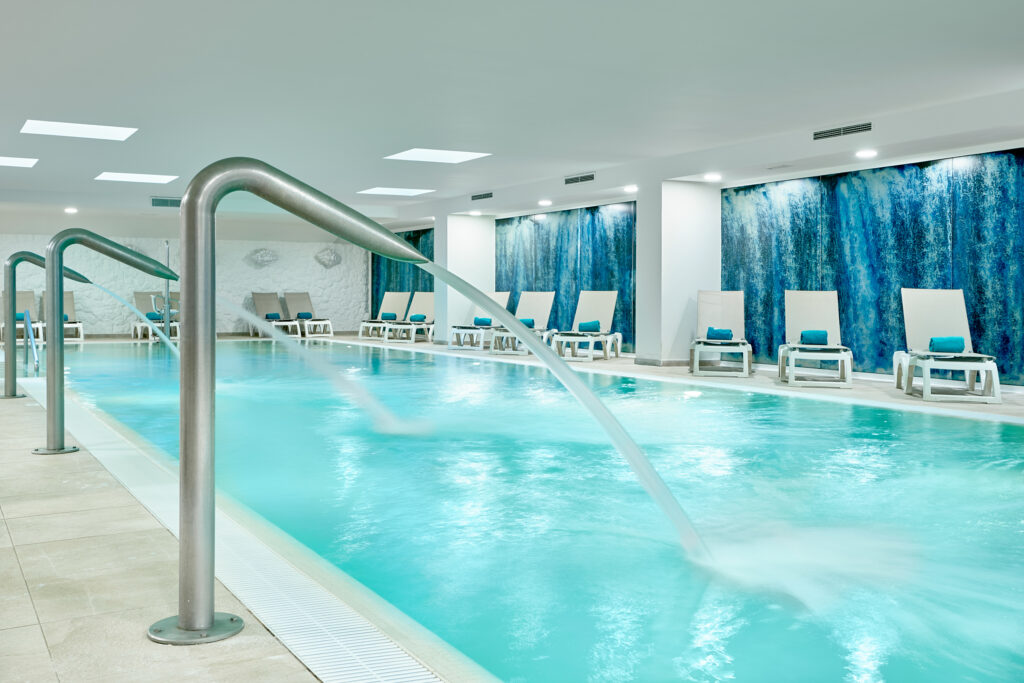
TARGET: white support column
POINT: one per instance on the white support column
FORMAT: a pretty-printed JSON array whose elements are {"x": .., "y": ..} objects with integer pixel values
[
  {"x": 679, "y": 252},
  {"x": 691, "y": 260},
  {"x": 465, "y": 246}
]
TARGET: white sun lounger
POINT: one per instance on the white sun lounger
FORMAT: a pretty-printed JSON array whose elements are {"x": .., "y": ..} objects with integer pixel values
[
  {"x": 472, "y": 336},
  {"x": 71, "y": 323},
  {"x": 300, "y": 307},
  {"x": 268, "y": 303},
  {"x": 404, "y": 331},
  {"x": 814, "y": 311},
  {"x": 25, "y": 300},
  {"x": 577, "y": 345},
  {"x": 722, "y": 310},
  {"x": 929, "y": 313},
  {"x": 391, "y": 302},
  {"x": 151, "y": 304},
  {"x": 534, "y": 306}
]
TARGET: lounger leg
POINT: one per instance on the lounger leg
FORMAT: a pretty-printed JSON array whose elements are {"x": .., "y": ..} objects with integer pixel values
[
  {"x": 992, "y": 386},
  {"x": 926, "y": 383}
]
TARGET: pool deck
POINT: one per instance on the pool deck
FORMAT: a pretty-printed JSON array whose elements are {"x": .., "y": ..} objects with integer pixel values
[
  {"x": 868, "y": 388},
  {"x": 84, "y": 567}
]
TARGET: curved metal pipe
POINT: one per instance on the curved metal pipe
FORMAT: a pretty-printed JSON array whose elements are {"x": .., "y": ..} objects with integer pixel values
[
  {"x": 10, "y": 313},
  {"x": 55, "y": 312},
  {"x": 196, "y": 621}
]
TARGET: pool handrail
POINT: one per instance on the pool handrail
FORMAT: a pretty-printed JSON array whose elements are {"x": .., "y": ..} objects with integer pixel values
[
  {"x": 55, "y": 311},
  {"x": 11, "y": 314},
  {"x": 196, "y": 621}
]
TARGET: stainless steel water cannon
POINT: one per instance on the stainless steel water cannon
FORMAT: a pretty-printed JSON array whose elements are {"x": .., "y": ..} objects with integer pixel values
[
  {"x": 55, "y": 311},
  {"x": 11, "y": 314}
]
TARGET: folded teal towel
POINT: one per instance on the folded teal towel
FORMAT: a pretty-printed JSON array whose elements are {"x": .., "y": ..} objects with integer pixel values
[
  {"x": 481, "y": 322},
  {"x": 527, "y": 321},
  {"x": 19, "y": 316},
  {"x": 389, "y": 316},
  {"x": 947, "y": 345},
  {"x": 273, "y": 316},
  {"x": 719, "y": 334},
  {"x": 153, "y": 315},
  {"x": 304, "y": 315},
  {"x": 814, "y": 337},
  {"x": 418, "y": 318},
  {"x": 590, "y": 326},
  {"x": 65, "y": 317}
]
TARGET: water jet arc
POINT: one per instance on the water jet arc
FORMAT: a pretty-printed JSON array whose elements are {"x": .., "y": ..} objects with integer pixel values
[
  {"x": 55, "y": 311},
  {"x": 196, "y": 621},
  {"x": 11, "y": 313}
]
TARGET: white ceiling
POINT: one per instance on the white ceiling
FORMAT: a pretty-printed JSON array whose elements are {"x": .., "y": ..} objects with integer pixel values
[{"x": 325, "y": 89}]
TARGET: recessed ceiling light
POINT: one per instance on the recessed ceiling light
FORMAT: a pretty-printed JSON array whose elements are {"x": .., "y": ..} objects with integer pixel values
[
  {"x": 712, "y": 177},
  {"x": 395, "y": 191},
  {"x": 867, "y": 153},
  {"x": 630, "y": 188},
  {"x": 544, "y": 202},
  {"x": 476, "y": 213},
  {"x": 136, "y": 177},
  {"x": 70, "y": 209},
  {"x": 20, "y": 162},
  {"x": 77, "y": 130},
  {"x": 539, "y": 216},
  {"x": 437, "y": 156}
]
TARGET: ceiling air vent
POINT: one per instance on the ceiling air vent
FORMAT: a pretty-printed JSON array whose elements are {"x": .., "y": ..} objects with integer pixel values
[
  {"x": 776, "y": 168},
  {"x": 842, "y": 130},
  {"x": 482, "y": 195},
  {"x": 166, "y": 202},
  {"x": 579, "y": 178}
]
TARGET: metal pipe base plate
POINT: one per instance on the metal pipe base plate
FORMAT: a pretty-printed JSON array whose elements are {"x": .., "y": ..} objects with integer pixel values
[
  {"x": 54, "y": 451},
  {"x": 15, "y": 396},
  {"x": 167, "y": 632}
]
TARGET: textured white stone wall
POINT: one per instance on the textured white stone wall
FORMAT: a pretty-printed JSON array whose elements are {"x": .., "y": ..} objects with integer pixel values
[{"x": 338, "y": 293}]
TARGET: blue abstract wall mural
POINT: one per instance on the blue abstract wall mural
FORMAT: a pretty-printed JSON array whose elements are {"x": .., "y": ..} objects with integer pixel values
[
  {"x": 955, "y": 223},
  {"x": 568, "y": 252},
  {"x": 387, "y": 275}
]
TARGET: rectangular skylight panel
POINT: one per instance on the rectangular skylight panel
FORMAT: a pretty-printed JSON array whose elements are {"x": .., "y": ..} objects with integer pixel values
[
  {"x": 136, "y": 177},
  {"x": 437, "y": 156},
  {"x": 395, "y": 191},
  {"x": 20, "y": 162},
  {"x": 77, "y": 130}
]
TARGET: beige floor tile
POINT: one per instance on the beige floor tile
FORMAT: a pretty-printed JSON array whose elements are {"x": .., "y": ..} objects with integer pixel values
[
  {"x": 114, "y": 647},
  {"x": 15, "y": 603},
  {"x": 24, "y": 657},
  {"x": 5, "y": 538},
  {"x": 86, "y": 491},
  {"x": 86, "y": 576},
  {"x": 31, "y": 465},
  {"x": 81, "y": 524}
]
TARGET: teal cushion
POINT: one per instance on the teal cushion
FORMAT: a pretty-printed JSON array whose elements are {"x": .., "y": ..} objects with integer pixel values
[
  {"x": 19, "y": 316},
  {"x": 590, "y": 326},
  {"x": 814, "y": 337},
  {"x": 389, "y": 316},
  {"x": 947, "y": 345},
  {"x": 481, "y": 322},
  {"x": 418, "y": 318},
  {"x": 527, "y": 321},
  {"x": 719, "y": 334},
  {"x": 66, "y": 317},
  {"x": 273, "y": 316},
  {"x": 153, "y": 315},
  {"x": 304, "y": 316}
]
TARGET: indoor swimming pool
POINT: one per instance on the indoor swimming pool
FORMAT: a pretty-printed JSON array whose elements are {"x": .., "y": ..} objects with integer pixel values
[{"x": 506, "y": 524}]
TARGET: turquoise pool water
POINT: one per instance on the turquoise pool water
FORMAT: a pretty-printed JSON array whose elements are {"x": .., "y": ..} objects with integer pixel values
[{"x": 516, "y": 533}]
